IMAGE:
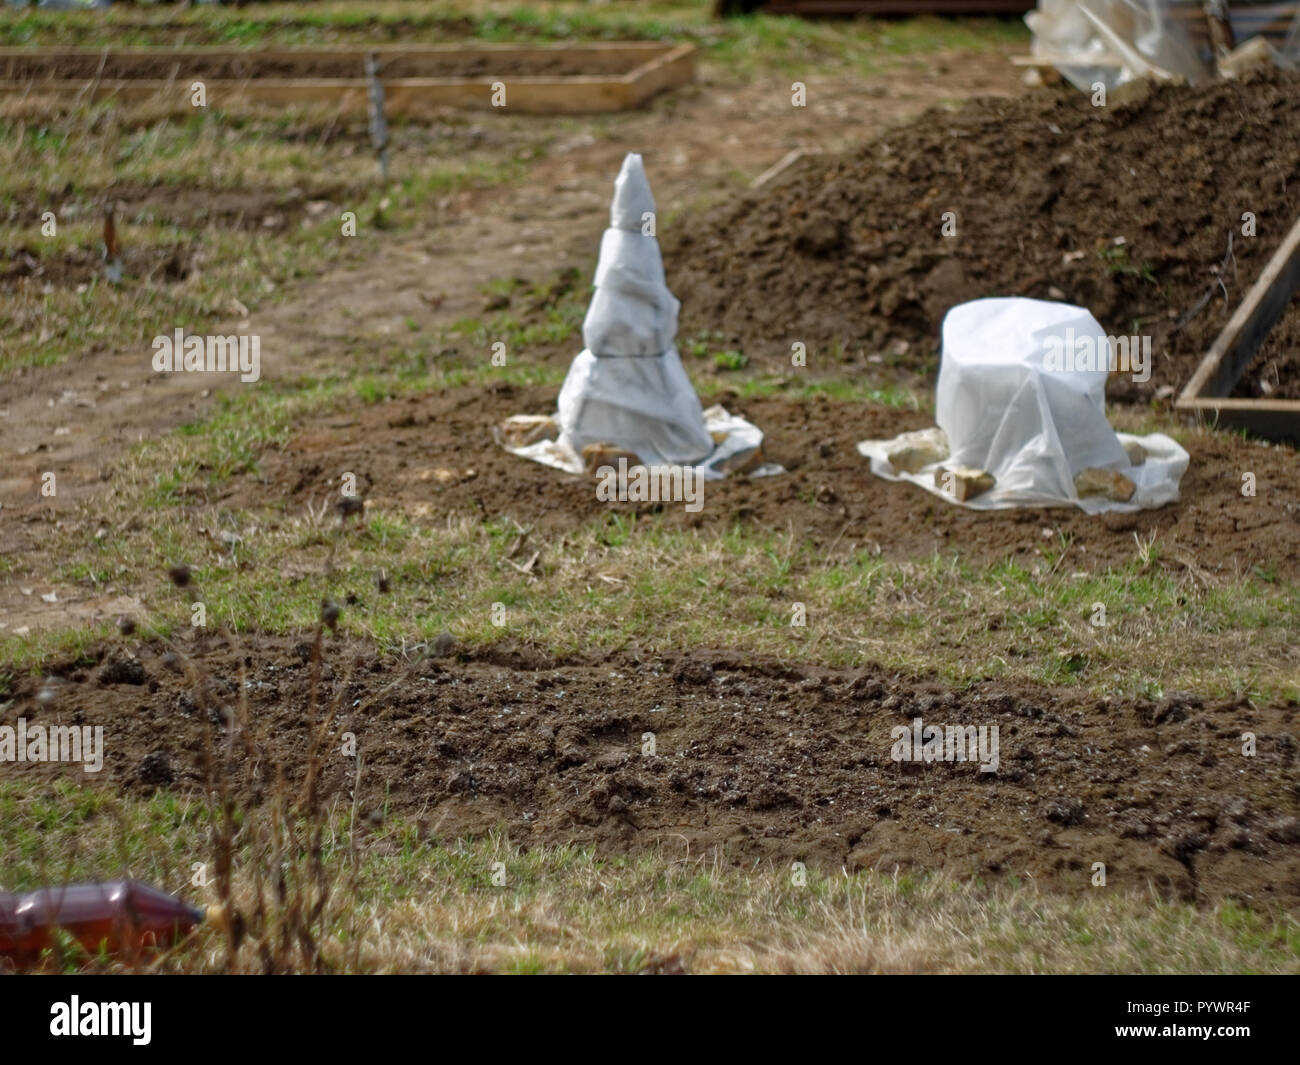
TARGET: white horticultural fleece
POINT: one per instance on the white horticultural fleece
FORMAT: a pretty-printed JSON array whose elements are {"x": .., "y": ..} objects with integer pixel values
[
  {"x": 626, "y": 394},
  {"x": 1021, "y": 412}
]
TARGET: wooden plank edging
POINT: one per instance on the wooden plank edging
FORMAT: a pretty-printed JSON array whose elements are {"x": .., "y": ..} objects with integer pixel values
[
  {"x": 661, "y": 67},
  {"x": 1234, "y": 348}
]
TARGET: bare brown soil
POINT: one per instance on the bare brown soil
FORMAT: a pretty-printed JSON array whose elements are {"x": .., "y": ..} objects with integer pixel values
[
  {"x": 169, "y": 262},
  {"x": 1124, "y": 209},
  {"x": 752, "y": 760},
  {"x": 435, "y": 454},
  {"x": 1276, "y": 367}
]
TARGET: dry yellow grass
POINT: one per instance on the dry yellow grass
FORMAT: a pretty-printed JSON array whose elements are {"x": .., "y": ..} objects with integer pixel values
[{"x": 482, "y": 905}]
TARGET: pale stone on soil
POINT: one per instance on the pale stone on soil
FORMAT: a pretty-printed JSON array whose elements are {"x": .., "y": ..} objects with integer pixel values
[
  {"x": 962, "y": 482},
  {"x": 524, "y": 429},
  {"x": 745, "y": 462},
  {"x": 594, "y": 456},
  {"x": 1136, "y": 453},
  {"x": 912, "y": 452},
  {"x": 1106, "y": 483}
]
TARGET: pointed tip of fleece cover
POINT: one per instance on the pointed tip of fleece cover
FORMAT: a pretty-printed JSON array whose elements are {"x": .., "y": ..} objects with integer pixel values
[{"x": 632, "y": 196}]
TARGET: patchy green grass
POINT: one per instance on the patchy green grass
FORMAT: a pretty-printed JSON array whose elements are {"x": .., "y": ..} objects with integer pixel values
[
  {"x": 1138, "y": 628},
  {"x": 482, "y": 905},
  {"x": 857, "y": 389},
  {"x": 527, "y": 317},
  {"x": 732, "y": 48},
  {"x": 217, "y": 215}
]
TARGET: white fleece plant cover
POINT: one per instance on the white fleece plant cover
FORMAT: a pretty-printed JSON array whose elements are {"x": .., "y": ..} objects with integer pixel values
[
  {"x": 628, "y": 386},
  {"x": 1012, "y": 406}
]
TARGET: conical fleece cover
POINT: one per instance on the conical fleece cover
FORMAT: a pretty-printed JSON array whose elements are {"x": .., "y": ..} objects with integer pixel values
[
  {"x": 628, "y": 388},
  {"x": 632, "y": 312}
]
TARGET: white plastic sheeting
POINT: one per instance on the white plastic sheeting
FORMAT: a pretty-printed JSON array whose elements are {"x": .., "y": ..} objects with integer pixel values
[
  {"x": 1014, "y": 403},
  {"x": 628, "y": 387},
  {"x": 1061, "y": 30},
  {"x": 1115, "y": 41}
]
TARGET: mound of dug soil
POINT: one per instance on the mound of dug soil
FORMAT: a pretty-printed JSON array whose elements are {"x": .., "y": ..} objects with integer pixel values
[
  {"x": 750, "y": 760},
  {"x": 1125, "y": 210}
]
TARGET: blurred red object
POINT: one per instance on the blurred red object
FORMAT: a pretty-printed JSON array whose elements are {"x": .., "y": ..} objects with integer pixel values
[{"x": 120, "y": 917}]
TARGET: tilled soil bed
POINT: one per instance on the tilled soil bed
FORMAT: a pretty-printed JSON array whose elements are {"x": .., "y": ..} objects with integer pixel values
[
  {"x": 751, "y": 760},
  {"x": 191, "y": 208},
  {"x": 435, "y": 454},
  {"x": 182, "y": 64},
  {"x": 1125, "y": 210}
]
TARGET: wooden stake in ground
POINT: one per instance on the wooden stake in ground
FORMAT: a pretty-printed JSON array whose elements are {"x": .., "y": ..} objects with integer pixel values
[
  {"x": 113, "y": 267},
  {"x": 378, "y": 124}
]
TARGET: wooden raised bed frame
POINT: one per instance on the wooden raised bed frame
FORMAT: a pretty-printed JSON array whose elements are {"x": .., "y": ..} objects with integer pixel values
[
  {"x": 648, "y": 69},
  {"x": 1234, "y": 349}
]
